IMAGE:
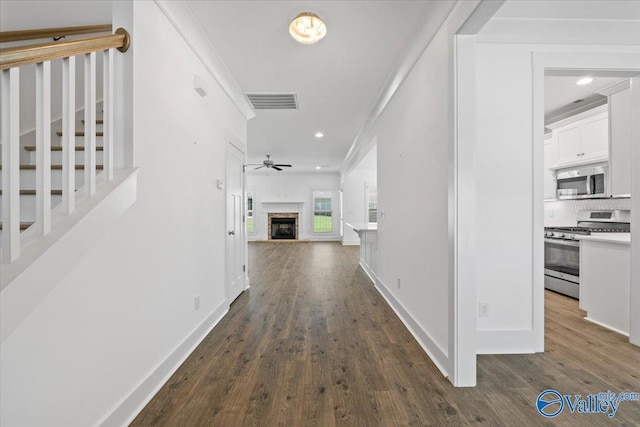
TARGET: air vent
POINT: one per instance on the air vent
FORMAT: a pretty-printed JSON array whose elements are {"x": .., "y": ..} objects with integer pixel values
[{"x": 273, "y": 101}]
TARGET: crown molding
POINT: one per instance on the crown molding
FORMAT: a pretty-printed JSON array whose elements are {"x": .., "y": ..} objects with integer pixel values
[
  {"x": 615, "y": 88},
  {"x": 434, "y": 15},
  {"x": 576, "y": 117},
  {"x": 181, "y": 17}
]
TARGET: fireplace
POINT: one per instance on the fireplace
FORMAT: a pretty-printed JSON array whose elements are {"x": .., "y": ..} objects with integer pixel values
[{"x": 283, "y": 226}]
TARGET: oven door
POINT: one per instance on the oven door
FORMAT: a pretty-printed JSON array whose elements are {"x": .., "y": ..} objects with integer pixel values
[{"x": 562, "y": 266}]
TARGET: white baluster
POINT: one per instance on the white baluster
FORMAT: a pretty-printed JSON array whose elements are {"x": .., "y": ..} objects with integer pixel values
[
  {"x": 68, "y": 133},
  {"x": 10, "y": 83},
  {"x": 107, "y": 116},
  {"x": 90, "y": 123},
  {"x": 43, "y": 148}
]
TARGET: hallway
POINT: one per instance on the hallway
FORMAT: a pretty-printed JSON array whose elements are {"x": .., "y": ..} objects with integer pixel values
[{"x": 313, "y": 343}]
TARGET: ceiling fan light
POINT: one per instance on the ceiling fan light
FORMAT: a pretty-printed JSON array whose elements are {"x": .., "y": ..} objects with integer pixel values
[{"x": 307, "y": 28}]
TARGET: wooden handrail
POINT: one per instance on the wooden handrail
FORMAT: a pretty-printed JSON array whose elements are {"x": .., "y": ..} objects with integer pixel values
[
  {"x": 44, "y": 33},
  {"x": 23, "y": 55}
]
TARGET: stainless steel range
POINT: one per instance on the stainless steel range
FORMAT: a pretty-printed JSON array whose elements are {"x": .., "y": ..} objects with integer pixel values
[{"x": 562, "y": 247}]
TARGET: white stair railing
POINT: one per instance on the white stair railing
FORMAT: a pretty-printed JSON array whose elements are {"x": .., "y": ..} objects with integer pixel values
[{"x": 11, "y": 59}]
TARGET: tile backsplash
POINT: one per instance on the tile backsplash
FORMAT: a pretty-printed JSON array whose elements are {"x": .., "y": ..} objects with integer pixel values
[{"x": 564, "y": 212}]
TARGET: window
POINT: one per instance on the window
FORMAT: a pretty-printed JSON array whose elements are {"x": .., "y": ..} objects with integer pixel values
[
  {"x": 372, "y": 204},
  {"x": 322, "y": 212},
  {"x": 249, "y": 212}
]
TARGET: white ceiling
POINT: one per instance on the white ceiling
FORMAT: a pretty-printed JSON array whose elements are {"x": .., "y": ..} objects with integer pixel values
[{"x": 336, "y": 80}]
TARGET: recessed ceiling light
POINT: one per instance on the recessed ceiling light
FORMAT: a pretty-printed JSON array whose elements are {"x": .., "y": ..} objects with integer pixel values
[
  {"x": 318, "y": 167},
  {"x": 307, "y": 28},
  {"x": 584, "y": 81},
  {"x": 319, "y": 134}
]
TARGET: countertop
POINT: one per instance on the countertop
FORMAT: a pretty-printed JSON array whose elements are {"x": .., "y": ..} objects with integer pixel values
[
  {"x": 363, "y": 227},
  {"x": 620, "y": 238}
]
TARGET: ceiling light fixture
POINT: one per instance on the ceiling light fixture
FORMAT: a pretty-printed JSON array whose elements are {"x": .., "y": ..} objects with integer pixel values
[
  {"x": 318, "y": 167},
  {"x": 584, "y": 81},
  {"x": 319, "y": 134},
  {"x": 307, "y": 28}
]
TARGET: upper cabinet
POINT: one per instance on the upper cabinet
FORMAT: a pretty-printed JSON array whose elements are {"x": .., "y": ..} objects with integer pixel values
[
  {"x": 620, "y": 120},
  {"x": 581, "y": 139}
]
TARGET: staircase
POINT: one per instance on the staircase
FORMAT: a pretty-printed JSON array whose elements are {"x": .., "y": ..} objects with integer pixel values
[
  {"x": 28, "y": 174},
  {"x": 65, "y": 187}
]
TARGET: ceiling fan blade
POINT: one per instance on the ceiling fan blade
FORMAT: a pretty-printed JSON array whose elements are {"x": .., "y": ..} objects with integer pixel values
[
  {"x": 259, "y": 167},
  {"x": 276, "y": 168},
  {"x": 283, "y": 166}
]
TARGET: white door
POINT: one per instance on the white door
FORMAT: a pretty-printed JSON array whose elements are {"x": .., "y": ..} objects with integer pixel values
[{"x": 235, "y": 231}]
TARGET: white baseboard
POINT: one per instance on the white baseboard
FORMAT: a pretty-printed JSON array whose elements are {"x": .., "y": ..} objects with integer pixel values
[
  {"x": 435, "y": 353},
  {"x": 351, "y": 242},
  {"x": 505, "y": 342},
  {"x": 130, "y": 406},
  {"x": 372, "y": 275},
  {"x": 604, "y": 325}
]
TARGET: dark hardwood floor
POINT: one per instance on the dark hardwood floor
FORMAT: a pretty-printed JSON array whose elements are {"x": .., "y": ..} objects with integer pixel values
[{"x": 312, "y": 343}]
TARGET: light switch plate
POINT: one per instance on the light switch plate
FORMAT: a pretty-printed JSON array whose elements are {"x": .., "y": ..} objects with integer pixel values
[{"x": 220, "y": 184}]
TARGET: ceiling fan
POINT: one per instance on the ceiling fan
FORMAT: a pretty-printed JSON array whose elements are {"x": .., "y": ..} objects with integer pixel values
[{"x": 269, "y": 164}]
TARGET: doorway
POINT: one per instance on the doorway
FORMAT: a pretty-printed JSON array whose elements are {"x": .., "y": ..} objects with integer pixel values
[
  {"x": 616, "y": 66},
  {"x": 235, "y": 264}
]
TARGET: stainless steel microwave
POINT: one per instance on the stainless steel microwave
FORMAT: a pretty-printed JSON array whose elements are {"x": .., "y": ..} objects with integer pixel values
[{"x": 582, "y": 183}]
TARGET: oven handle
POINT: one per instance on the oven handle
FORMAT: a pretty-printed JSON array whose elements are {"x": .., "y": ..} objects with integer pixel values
[{"x": 563, "y": 242}]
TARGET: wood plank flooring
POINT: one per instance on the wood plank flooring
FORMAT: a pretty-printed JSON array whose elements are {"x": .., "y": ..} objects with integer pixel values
[{"x": 312, "y": 343}]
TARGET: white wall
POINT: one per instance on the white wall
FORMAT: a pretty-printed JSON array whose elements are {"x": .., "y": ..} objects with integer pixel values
[
  {"x": 354, "y": 195},
  {"x": 293, "y": 193},
  {"x": 122, "y": 319},
  {"x": 415, "y": 140}
]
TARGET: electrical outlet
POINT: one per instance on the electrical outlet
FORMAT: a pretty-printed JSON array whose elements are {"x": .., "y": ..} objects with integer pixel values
[
  {"x": 196, "y": 305},
  {"x": 399, "y": 283},
  {"x": 483, "y": 309}
]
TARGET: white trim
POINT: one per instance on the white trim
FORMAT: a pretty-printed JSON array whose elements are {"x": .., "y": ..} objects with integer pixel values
[
  {"x": 615, "y": 88},
  {"x": 350, "y": 242},
  {"x": 436, "y": 354},
  {"x": 464, "y": 318},
  {"x": 537, "y": 211},
  {"x": 634, "y": 297},
  {"x": 133, "y": 403},
  {"x": 604, "y": 325},
  {"x": 181, "y": 17},
  {"x": 519, "y": 341},
  {"x": 577, "y": 117},
  {"x": 368, "y": 271}
]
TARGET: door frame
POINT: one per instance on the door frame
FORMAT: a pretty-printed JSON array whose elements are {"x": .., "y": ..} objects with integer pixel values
[
  {"x": 623, "y": 60},
  {"x": 232, "y": 140}
]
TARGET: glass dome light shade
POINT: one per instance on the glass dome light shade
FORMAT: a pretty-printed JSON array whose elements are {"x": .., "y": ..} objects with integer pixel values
[{"x": 307, "y": 28}]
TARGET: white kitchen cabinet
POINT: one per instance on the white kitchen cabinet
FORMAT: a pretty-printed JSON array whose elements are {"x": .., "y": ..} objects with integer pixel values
[
  {"x": 549, "y": 174},
  {"x": 581, "y": 139},
  {"x": 620, "y": 120},
  {"x": 569, "y": 143},
  {"x": 605, "y": 281},
  {"x": 595, "y": 137}
]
